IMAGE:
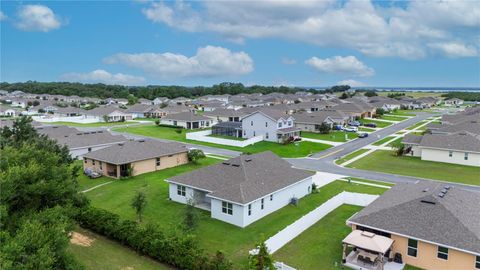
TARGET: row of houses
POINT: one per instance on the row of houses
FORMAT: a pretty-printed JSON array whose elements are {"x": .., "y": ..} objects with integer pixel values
[{"x": 455, "y": 140}]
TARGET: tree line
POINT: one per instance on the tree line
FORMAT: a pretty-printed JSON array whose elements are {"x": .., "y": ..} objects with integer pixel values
[{"x": 467, "y": 96}]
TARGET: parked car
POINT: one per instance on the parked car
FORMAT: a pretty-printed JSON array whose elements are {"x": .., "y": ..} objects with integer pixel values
[
  {"x": 363, "y": 135},
  {"x": 354, "y": 123},
  {"x": 91, "y": 173},
  {"x": 372, "y": 125},
  {"x": 296, "y": 138},
  {"x": 338, "y": 127},
  {"x": 351, "y": 129}
]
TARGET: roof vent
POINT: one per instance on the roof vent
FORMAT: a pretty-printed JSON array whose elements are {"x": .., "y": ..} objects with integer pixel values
[
  {"x": 120, "y": 144},
  {"x": 441, "y": 194},
  {"x": 236, "y": 165},
  {"x": 447, "y": 187},
  {"x": 248, "y": 160},
  {"x": 427, "y": 202},
  {"x": 79, "y": 133},
  {"x": 55, "y": 127},
  {"x": 225, "y": 163},
  {"x": 101, "y": 131},
  {"x": 142, "y": 140},
  {"x": 425, "y": 190}
]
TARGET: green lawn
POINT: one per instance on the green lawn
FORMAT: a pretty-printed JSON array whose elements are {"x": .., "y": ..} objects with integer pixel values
[
  {"x": 409, "y": 267},
  {"x": 321, "y": 244},
  {"x": 413, "y": 94},
  {"x": 402, "y": 112},
  {"x": 350, "y": 156},
  {"x": 384, "y": 161},
  {"x": 393, "y": 118},
  {"x": 99, "y": 124},
  {"x": 84, "y": 182},
  {"x": 417, "y": 125},
  {"x": 394, "y": 142},
  {"x": 371, "y": 181},
  {"x": 227, "y": 137},
  {"x": 104, "y": 254},
  {"x": 366, "y": 129},
  {"x": 212, "y": 234},
  {"x": 382, "y": 141},
  {"x": 379, "y": 124},
  {"x": 292, "y": 150},
  {"x": 334, "y": 136}
]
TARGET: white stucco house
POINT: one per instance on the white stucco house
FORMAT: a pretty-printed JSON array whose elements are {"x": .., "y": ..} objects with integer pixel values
[
  {"x": 243, "y": 189},
  {"x": 461, "y": 148},
  {"x": 273, "y": 125},
  {"x": 453, "y": 102},
  {"x": 188, "y": 120}
]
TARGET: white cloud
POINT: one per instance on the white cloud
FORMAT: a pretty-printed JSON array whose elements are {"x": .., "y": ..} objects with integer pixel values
[
  {"x": 375, "y": 30},
  {"x": 2, "y": 16},
  {"x": 288, "y": 61},
  {"x": 352, "y": 83},
  {"x": 342, "y": 65},
  {"x": 209, "y": 61},
  {"x": 103, "y": 76},
  {"x": 37, "y": 18},
  {"x": 454, "y": 49}
]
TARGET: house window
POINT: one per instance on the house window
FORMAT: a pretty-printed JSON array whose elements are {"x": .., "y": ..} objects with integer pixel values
[
  {"x": 266, "y": 135},
  {"x": 100, "y": 163},
  {"x": 181, "y": 190},
  {"x": 266, "y": 124},
  {"x": 280, "y": 124},
  {"x": 412, "y": 247},
  {"x": 250, "y": 209},
  {"x": 477, "y": 262},
  {"x": 262, "y": 204},
  {"x": 85, "y": 160},
  {"x": 289, "y": 123},
  {"x": 157, "y": 161},
  {"x": 93, "y": 162},
  {"x": 450, "y": 153},
  {"x": 89, "y": 149},
  {"x": 442, "y": 253},
  {"x": 174, "y": 123},
  {"x": 254, "y": 134},
  {"x": 251, "y": 123},
  {"x": 271, "y": 197},
  {"x": 227, "y": 208},
  {"x": 466, "y": 156},
  {"x": 244, "y": 133}
]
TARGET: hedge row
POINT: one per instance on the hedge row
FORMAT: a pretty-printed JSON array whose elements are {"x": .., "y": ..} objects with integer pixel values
[
  {"x": 170, "y": 126},
  {"x": 173, "y": 249}
]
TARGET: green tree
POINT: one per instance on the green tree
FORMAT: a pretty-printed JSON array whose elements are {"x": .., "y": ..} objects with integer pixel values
[
  {"x": 220, "y": 262},
  {"x": 262, "y": 260},
  {"x": 139, "y": 202},
  {"x": 195, "y": 155},
  {"x": 157, "y": 122},
  {"x": 380, "y": 111},
  {"x": 106, "y": 119},
  {"x": 370, "y": 93},
  {"x": 324, "y": 128},
  {"x": 344, "y": 96},
  {"x": 190, "y": 221},
  {"x": 398, "y": 148},
  {"x": 132, "y": 99}
]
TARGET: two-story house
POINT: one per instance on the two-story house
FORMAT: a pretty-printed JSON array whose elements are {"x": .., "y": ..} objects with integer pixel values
[{"x": 273, "y": 125}]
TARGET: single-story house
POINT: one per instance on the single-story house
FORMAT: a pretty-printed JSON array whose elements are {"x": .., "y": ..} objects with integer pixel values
[
  {"x": 8, "y": 112},
  {"x": 356, "y": 108},
  {"x": 131, "y": 158},
  {"x": 461, "y": 148},
  {"x": 243, "y": 189},
  {"x": 112, "y": 113},
  {"x": 426, "y": 224},
  {"x": 312, "y": 121},
  {"x": 453, "y": 102},
  {"x": 188, "y": 120}
]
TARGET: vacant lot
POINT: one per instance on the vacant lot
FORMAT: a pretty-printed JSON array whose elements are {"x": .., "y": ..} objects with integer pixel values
[
  {"x": 97, "y": 252},
  {"x": 212, "y": 234},
  {"x": 384, "y": 161},
  {"x": 334, "y": 136},
  {"x": 301, "y": 149}
]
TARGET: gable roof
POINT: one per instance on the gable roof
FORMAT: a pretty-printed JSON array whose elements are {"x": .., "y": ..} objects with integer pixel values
[
  {"x": 73, "y": 138},
  {"x": 463, "y": 141},
  {"x": 272, "y": 114},
  {"x": 186, "y": 116},
  {"x": 131, "y": 151},
  {"x": 245, "y": 178},
  {"x": 417, "y": 211}
]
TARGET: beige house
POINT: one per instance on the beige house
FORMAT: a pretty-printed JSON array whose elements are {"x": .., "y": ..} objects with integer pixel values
[
  {"x": 132, "y": 158},
  {"x": 427, "y": 225}
]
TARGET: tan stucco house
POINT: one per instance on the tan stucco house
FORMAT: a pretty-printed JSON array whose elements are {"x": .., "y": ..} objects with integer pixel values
[
  {"x": 427, "y": 224},
  {"x": 132, "y": 158}
]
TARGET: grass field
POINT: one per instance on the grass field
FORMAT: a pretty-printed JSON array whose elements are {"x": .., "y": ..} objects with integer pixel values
[
  {"x": 371, "y": 181},
  {"x": 334, "y": 136},
  {"x": 382, "y": 141},
  {"x": 104, "y": 254},
  {"x": 393, "y": 118},
  {"x": 402, "y": 112},
  {"x": 100, "y": 124},
  {"x": 379, "y": 124},
  {"x": 384, "y": 161},
  {"x": 320, "y": 246},
  {"x": 417, "y": 125},
  {"x": 212, "y": 234},
  {"x": 365, "y": 129},
  {"x": 292, "y": 150},
  {"x": 350, "y": 156}
]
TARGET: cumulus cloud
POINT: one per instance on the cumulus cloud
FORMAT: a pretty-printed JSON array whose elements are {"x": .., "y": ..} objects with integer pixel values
[
  {"x": 373, "y": 29},
  {"x": 2, "y": 16},
  {"x": 209, "y": 61},
  {"x": 341, "y": 65},
  {"x": 455, "y": 49},
  {"x": 352, "y": 83},
  {"x": 37, "y": 18},
  {"x": 288, "y": 61},
  {"x": 103, "y": 76}
]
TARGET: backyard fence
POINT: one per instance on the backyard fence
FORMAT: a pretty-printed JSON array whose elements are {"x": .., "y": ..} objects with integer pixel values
[
  {"x": 83, "y": 119},
  {"x": 277, "y": 241},
  {"x": 203, "y": 136}
]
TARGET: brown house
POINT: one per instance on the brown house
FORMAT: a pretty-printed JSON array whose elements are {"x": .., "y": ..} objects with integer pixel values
[
  {"x": 135, "y": 157},
  {"x": 428, "y": 225}
]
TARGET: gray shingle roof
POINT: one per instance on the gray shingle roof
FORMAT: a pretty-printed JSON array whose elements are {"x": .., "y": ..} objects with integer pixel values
[
  {"x": 73, "y": 138},
  {"x": 453, "y": 220},
  {"x": 458, "y": 141},
  {"x": 186, "y": 116},
  {"x": 245, "y": 178},
  {"x": 412, "y": 139},
  {"x": 131, "y": 151}
]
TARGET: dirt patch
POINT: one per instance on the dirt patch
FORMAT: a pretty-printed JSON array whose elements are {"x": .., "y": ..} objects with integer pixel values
[{"x": 81, "y": 239}]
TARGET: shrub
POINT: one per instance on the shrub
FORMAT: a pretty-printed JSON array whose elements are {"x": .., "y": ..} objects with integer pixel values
[
  {"x": 178, "y": 131},
  {"x": 178, "y": 250},
  {"x": 195, "y": 154},
  {"x": 324, "y": 128},
  {"x": 380, "y": 111},
  {"x": 157, "y": 122}
]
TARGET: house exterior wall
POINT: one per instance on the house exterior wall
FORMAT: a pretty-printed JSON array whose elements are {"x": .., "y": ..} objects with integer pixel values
[
  {"x": 237, "y": 218},
  {"x": 427, "y": 256},
  {"x": 415, "y": 151},
  {"x": 150, "y": 165},
  {"x": 98, "y": 167},
  {"x": 201, "y": 124},
  {"x": 254, "y": 125},
  {"x": 456, "y": 158},
  {"x": 172, "y": 193}
]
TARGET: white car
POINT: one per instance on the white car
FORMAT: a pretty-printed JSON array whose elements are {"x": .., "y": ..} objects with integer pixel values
[{"x": 351, "y": 129}]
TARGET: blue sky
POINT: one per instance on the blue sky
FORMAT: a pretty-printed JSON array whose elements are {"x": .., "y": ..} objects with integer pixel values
[{"x": 318, "y": 43}]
